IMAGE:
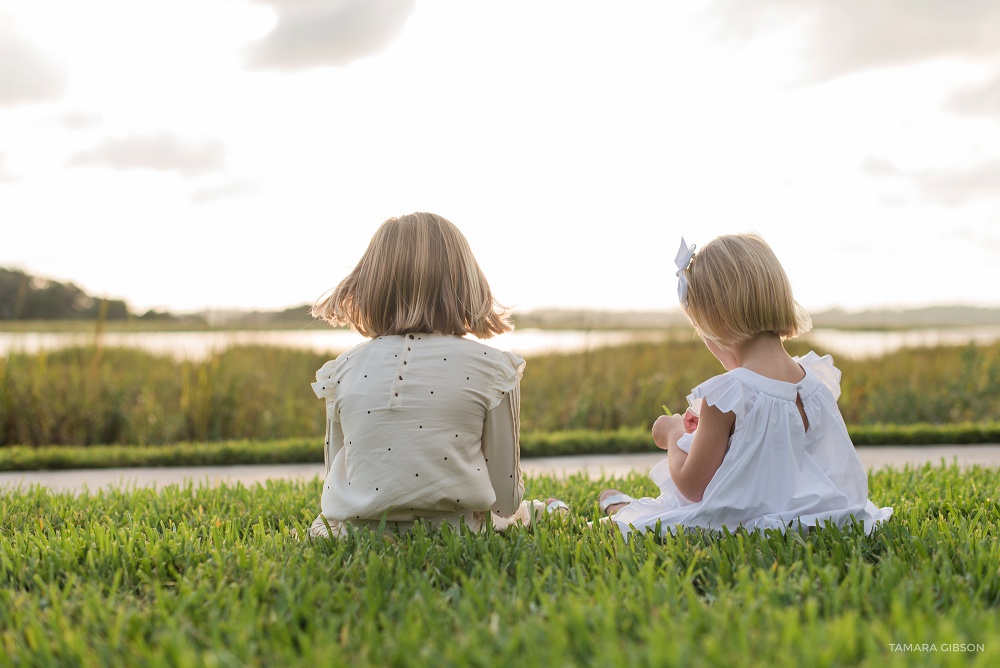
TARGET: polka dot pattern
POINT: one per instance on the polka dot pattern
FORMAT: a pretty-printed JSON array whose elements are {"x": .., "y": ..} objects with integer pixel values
[{"x": 414, "y": 407}]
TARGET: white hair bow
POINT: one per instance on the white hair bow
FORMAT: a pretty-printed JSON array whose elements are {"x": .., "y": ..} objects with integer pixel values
[{"x": 684, "y": 255}]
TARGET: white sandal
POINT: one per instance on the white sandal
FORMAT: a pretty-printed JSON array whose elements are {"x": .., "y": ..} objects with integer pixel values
[
  {"x": 614, "y": 499},
  {"x": 555, "y": 504}
]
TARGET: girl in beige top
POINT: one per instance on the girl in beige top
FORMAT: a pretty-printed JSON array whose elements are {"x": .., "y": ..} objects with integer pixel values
[{"x": 422, "y": 423}]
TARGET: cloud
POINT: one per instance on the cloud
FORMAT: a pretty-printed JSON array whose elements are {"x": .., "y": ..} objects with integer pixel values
[
  {"x": 160, "y": 152},
  {"x": 949, "y": 187},
  {"x": 79, "y": 121},
  {"x": 984, "y": 101},
  {"x": 26, "y": 73},
  {"x": 958, "y": 187},
  {"x": 313, "y": 33},
  {"x": 843, "y": 37},
  {"x": 987, "y": 238},
  {"x": 5, "y": 176},
  {"x": 226, "y": 190},
  {"x": 874, "y": 166}
]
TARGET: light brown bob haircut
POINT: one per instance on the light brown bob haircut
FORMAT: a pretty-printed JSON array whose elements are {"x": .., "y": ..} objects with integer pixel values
[
  {"x": 417, "y": 275},
  {"x": 737, "y": 290}
]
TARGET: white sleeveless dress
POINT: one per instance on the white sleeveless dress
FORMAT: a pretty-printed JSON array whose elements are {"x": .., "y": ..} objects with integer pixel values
[{"x": 775, "y": 474}]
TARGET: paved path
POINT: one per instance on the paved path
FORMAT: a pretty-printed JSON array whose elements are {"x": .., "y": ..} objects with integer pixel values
[{"x": 874, "y": 458}]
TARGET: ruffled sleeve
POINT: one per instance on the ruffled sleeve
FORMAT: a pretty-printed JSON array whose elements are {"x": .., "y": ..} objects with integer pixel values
[
  {"x": 725, "y": 392},
  {"x": 822, "y": 368},
  {"x": 510, "y": 368},
  {"x": 325, "y": 385}
]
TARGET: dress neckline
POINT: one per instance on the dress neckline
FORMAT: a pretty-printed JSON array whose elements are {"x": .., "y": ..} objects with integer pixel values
[{"x": 779, "y": 388}]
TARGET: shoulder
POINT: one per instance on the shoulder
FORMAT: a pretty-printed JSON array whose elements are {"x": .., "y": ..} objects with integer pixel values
[
  {"x": 727, "y": 392},
  {"x": 331, "y": 367},
  {"x": 492, "y": 357},
  {"x": 328, "y": 374},
  {"x": 499, "y": 371},
  {"x": 821, "y": 371},
  {"x": 724, "y": 382}
]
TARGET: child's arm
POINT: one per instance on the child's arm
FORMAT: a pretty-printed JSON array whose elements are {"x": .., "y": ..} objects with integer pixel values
[
  {"x": 502, "y": 449},
  {"x": 692, "y": 472},
  {"x": 334, "y": 442}
]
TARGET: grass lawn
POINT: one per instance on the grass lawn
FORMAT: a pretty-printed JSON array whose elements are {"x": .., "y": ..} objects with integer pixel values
[{"x": 214, "y": 576}]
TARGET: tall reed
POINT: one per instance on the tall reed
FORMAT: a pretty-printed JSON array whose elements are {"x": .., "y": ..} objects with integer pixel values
[{"x": 98, "y": 395}]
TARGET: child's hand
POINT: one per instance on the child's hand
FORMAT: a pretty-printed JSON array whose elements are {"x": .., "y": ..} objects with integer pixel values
[
  {"x": 665, "y": 428},
  {"x": 690, "y": 421}
]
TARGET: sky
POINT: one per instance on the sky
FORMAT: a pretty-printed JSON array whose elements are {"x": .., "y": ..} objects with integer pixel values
[{"x": 219, "y": 154}]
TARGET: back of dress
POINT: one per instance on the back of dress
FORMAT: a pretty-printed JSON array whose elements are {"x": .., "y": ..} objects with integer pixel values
[
  {"x": 775, "y": 473},
  {"x": 405, "y": 426}
]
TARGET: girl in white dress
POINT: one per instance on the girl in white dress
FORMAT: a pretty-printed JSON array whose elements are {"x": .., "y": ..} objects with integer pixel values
[
  {"x": 422, "y": 423},
  {"x": 762, "y": 446}
]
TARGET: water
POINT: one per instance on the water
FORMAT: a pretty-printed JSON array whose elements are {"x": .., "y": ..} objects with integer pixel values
[
  {"x": 865, "y": 344},
  {"x": 200, "y": 345}
]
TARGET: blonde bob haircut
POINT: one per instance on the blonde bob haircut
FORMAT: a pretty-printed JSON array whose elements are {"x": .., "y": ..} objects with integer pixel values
[
  {"x": 417, "y": 275},
  {"x": 737, "y": 290}
]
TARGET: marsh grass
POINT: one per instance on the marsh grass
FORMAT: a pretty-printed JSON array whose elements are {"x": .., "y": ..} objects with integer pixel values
[
  {"x": 87, "y": 396},
  {"x": 214, "y": 576}
]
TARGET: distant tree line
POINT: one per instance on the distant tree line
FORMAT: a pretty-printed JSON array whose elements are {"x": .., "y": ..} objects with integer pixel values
[{"x": 26, "y": 297}]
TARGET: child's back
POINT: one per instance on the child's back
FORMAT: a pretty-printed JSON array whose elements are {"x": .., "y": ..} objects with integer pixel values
[
  {"x": 763, "y": 445},
  {"x": 776, "y": 471},
  {"x": 422, "y": 423},
  {"x": 407, "y": 414}
]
